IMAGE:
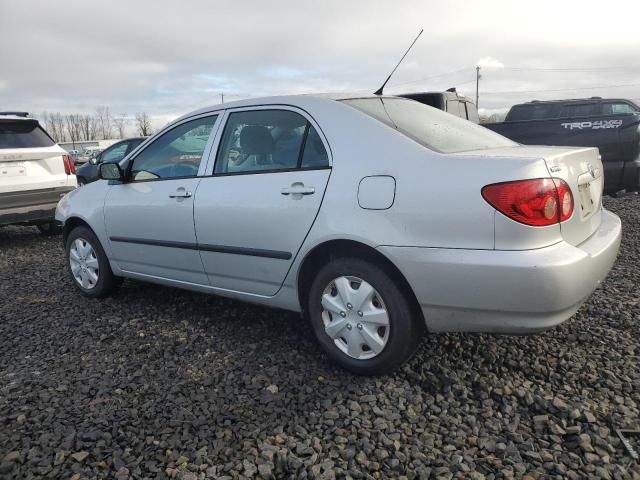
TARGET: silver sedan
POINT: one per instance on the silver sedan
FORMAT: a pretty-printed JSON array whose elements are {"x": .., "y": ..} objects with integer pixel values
[{"x": 379, "y": 218}]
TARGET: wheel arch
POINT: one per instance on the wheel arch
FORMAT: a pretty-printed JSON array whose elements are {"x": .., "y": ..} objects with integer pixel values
[
  {"x": 71, "y": 223},
  {"x": 331, "y": 249}
]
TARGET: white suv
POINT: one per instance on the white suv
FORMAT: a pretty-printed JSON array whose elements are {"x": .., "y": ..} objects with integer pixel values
[{"x": 34, "y": 173}]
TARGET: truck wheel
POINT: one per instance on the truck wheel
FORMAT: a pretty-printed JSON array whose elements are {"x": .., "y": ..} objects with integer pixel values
[{"x": 361, "y": 318}]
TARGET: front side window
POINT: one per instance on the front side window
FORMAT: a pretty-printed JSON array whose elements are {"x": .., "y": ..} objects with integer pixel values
[
  {"x": 115, "y": 153},
  {"x": 176, "y": 153},
  {"x": 618, "y": 108},
  {"x": 261, "y": 140},
  {"x": 432, "y": 128}
]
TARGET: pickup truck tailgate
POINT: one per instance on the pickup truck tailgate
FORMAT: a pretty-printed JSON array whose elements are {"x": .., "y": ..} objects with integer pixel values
[{"x": 581, "y": 169}]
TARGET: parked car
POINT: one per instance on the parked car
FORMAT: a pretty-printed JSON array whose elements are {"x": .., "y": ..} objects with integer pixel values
[
  {"x": 88, "y": 172},
  {"x": 450, "y": 101},
  {"x": 378, "y": 217},
  {"x": 34, "y": 173},
  {"x": 612, "y": 125}
]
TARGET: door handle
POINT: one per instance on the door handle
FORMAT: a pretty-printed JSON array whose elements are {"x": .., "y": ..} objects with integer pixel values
[
  {"x": 180, "y": 193},
  {"x": 298, "y": 190}
]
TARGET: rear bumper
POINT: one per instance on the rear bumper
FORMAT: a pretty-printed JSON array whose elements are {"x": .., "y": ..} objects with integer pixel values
[
  {"x": 498, "y": 291},
  {"x": 32, "y": 206}
]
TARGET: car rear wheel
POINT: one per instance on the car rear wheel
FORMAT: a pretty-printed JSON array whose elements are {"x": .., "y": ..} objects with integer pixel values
[
  {"x": 361, "y": 317},
  {"x": 88, "y": 265}
]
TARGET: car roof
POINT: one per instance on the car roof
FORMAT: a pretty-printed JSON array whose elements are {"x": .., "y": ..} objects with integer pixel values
[
  {"x": 302, "y": 101},
  {"x": 13, "y": 116},
  {"x": 573, "y": 100}
]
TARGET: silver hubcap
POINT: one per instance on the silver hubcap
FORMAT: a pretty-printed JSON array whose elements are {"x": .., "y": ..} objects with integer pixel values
[
  {"x": 355, "y": 317},
  {"x": 84, "y": 263}
]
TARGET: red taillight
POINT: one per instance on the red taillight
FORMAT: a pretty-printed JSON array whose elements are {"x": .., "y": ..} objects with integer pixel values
[
  {"x": 69, "y": 165},
  {"x": 538, "y": 202}
]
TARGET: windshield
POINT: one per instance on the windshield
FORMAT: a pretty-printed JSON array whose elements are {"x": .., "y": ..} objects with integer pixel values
[{"x": 428, "y": 126}]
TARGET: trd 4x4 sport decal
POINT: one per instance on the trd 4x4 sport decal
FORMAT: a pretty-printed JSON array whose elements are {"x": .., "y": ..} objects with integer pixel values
[{"x": 598, "y": 124}]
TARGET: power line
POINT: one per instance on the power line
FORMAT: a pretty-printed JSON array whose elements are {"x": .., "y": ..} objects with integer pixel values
[
  {"x": 574, "y": 69},
  {"x": 435, "y": 76}
]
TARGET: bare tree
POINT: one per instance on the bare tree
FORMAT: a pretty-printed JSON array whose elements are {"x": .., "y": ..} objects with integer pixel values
[
  {"x": 120, "y": 123},
  {"x": 58, "y": 121},
  {"x": 54, "y": 124},
  {"x": 74, "y": 128},
  {"x": 88, "y": 127},
  {"x": 103, "y": 120},
  {"x": 143, "y": 123}
]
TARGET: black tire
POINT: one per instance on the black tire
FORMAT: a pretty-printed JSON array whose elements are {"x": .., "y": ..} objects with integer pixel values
[
  {"x": 81, "y": 181},
  {"x": 405, "y": 328},
  {"x": 107, "y": 282},
  {"x": 49, "y": 229}
]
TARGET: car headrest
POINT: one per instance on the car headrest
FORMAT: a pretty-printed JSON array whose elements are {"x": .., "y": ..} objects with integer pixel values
[{"x": 256, "y": 140}]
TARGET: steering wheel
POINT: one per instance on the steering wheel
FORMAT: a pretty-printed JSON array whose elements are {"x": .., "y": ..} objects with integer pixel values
[{"x": 184, "y": 170}]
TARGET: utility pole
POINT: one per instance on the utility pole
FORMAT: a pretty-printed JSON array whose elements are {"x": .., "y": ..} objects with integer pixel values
[
  {"x": 478, "y": 77},
  {"x": 222, "y": 98}
]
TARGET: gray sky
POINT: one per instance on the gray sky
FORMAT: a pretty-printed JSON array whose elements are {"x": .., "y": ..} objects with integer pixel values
[{"x": 169, "y": 57}]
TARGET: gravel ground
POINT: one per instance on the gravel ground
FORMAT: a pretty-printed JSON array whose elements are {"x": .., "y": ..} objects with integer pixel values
[{"x": 158, "y": 383}]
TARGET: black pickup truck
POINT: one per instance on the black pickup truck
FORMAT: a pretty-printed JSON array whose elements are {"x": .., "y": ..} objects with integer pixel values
[{"x": 612, "y": 125}]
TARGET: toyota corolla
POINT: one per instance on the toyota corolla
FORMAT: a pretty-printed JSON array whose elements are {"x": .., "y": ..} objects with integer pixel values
[{"x": 380, "y": 218}]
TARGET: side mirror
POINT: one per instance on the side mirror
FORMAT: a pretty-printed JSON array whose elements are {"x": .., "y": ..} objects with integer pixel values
[
  {"x": 111, "y": 171},
  {"x": 93, "y": 160}
]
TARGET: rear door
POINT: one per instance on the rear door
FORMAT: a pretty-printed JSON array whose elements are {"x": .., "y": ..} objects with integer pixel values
[{"x": 255, "y": 209}]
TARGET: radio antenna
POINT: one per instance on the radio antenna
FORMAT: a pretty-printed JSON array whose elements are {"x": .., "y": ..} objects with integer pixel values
[{"x": 379, "y": 91}]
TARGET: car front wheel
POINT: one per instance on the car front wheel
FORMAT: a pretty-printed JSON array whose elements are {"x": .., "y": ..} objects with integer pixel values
[
  {"x": 88, "y": 265},
  {"x": 362, "y": 318}
]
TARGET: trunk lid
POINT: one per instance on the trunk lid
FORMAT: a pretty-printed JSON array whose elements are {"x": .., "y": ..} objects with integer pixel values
[
  {"x": 31, "y": 168},
  {"x": 581, "y": 169}
]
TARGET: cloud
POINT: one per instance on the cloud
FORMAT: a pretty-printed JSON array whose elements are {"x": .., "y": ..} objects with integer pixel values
[
  {"x": 167, "y": 58},
  {"x": 489, "y": 62}
]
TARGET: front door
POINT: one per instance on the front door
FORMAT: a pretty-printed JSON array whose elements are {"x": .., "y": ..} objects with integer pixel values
[
  {"x": 254, "y": 212},
  {"x": 149, "y": 218}
]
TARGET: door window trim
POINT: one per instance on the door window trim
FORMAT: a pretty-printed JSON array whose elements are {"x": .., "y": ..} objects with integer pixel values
[
  {"x": 150, "y": 141},
  {"x": 224, "y": 117}
]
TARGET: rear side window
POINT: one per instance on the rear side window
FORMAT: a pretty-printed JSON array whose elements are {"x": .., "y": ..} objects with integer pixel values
[
  {"x": 23, "y": 134},
  {"x": 432, "y": 128},
  {"x": 579, "y": 110},
  {"x": 267, "y": 140},
  {"x": 314, "y": 155},
  {"x": 530, "y": 112},
  {"x": 618, "y": 108}
]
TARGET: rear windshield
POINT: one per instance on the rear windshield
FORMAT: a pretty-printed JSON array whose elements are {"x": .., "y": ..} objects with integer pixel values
[
  {"x": 432, "y": 128},
  {"x": 23, "y": 134}
]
